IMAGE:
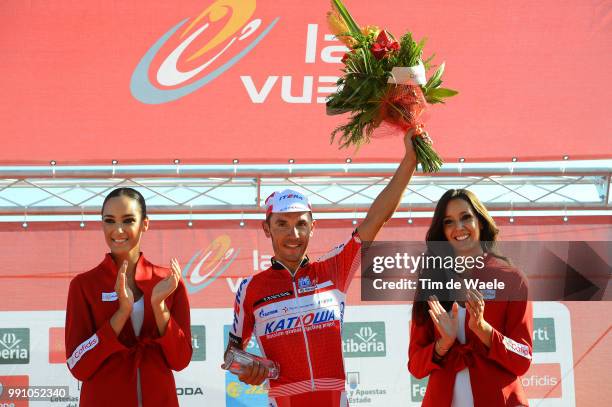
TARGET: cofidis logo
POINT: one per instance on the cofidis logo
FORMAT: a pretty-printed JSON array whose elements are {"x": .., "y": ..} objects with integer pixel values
[
  {"x": 207, "y": 265},
  {"x": 232, "y": 41}
]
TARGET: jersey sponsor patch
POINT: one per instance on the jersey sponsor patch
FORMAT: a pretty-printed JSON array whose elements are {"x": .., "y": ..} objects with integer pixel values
[
  {"x": 291, "y": 322},
  {"x": 516, "y": 347},
  {"x": 272, "y": 297},
  {"x": 315, "y": 287},
  {"x": 304, "y": 282},
  {"x": 107, "y": 297},
  {"x": 82, "y": 349}
]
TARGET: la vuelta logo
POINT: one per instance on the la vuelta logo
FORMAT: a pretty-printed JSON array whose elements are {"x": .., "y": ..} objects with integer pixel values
[
  {"x": 207, "y": 265},
  {"x": 233, "y": 41}
]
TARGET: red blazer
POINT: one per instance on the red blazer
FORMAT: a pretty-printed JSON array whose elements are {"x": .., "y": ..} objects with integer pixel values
[
  {"x": 494, "y": 372},
  {"x": 107, "y": 363}
]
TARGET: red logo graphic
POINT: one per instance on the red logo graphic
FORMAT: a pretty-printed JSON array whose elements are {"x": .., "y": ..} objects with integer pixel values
[
  {"x": 57, "y": 345},
  {"x": 11, "y": 382},
  {"x": 543, "y": 380}
]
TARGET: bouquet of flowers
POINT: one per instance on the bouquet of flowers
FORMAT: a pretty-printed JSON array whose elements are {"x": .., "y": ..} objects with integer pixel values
[{"x": 384, "y": 86}]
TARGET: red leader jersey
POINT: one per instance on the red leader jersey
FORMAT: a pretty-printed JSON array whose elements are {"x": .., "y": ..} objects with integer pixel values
[
  {"x": 297, "y": 319},
  {"x": 494, "y": 372},
  {"x": 106, "y": 364}
]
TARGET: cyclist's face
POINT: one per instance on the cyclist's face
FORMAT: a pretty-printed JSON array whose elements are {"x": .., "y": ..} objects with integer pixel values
[
  {"x": 123, "y": 225},
  {"x": 462, "y": 228},
  {"x": 290, "y": 233}
]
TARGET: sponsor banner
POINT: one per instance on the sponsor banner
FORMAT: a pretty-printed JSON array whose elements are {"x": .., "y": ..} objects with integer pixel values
[
  {"x": 14, "y": 346},
  {"x": 259, "y": 72},
  {"x": 543, "y": 381},
  {"x": 215, "y": 257},
  {"x": 544, "y": 335},
  {"x": 375, "y": 345},
  {"x": 7, "y": 382},
  {"x": 418, "y": 387},
  {"x": 377, "y": 373},
  {"x": 198, "y": 342},
  {"x": 57, "y": 345},
  {"x": 364, "y": 339}
]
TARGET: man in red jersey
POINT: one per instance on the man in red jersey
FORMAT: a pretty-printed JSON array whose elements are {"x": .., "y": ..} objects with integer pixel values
[{"x": 295, "y": 307}]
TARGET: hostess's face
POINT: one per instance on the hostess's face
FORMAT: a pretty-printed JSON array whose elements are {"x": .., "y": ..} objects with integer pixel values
[
  {"x": 290, "y": 233},
  {"x": 123, "y": 225},
  {"x": 462, "y": 228}
]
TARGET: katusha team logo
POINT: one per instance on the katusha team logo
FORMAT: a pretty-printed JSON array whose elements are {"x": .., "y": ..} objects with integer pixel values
[
  {"x": 197, "y": 50},
  {"x": 207, "y": 265}
]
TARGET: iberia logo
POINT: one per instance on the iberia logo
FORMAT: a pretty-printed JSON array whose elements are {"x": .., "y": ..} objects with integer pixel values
[
  {"x": 178, "y": 64},
  {"x": 207, "y": 265}
]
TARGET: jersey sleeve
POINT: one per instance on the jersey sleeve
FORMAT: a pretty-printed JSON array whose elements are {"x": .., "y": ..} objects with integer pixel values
[
  {"x": 244, "y": 320},
  {"x": 343, "y": 261},
  {"x": 176, "y": 341},
  {"x": 86, "y": 347}
]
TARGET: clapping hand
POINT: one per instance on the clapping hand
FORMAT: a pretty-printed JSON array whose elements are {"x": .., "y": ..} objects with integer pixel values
[
  {"x": 446, "y": 323},
  {"x": 124, "y": 293},
  {"x": 165, "y": 287}
]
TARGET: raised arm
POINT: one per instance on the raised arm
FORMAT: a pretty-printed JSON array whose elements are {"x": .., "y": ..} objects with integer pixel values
[{"x": 389, "y": 198}]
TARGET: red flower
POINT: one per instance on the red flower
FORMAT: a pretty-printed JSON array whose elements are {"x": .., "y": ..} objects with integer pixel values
[
  {"x": 383, "y": 45},
  {"x": 347, "y": 56}
]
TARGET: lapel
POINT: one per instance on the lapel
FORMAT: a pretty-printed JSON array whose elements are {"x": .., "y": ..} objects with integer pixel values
[{"x": 146, "y": 278}]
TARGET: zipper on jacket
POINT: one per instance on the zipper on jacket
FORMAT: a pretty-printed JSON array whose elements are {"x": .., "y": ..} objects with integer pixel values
[
  {"x": 297, "y": 300},
  {"x": 297, "y": 303}
]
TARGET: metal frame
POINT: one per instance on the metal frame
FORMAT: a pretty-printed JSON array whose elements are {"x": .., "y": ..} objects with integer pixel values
[{"x": 333, "y": 188}]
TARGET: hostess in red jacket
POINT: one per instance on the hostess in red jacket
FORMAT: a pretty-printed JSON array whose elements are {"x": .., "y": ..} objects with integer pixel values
[
  {"x": 494, "y": 372},
  {"x": 106, "y": 363}
]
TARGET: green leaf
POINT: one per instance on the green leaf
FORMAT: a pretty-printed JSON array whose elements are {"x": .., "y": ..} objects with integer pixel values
[
  {"x": 428, "y": 61},
  {"x": 346, "y": 16},
  {"x": 442, "y": 93},
  {"x": 434, "y": 81},
  {"x": 432, "y": 99}
]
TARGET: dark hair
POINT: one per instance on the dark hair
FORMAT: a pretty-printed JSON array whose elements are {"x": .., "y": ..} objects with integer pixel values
[
  {"x": 435, "y": 233},
  {"x": 130, "y": 193}
]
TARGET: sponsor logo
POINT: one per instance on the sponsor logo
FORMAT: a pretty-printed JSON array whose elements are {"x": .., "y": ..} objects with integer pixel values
[
  {"x": 263, "y": 313},
  {"x": 82, "y": 349},
  {"x": 289, "y": 196},
  {"x": 544, "y": 335},
  {"x": 304, "y": 282},
  {"x": 10, "y": 382},
  {"x": 543, "y": 380},
  {"x": 107, "y": 297},
  {"x": 312, "y": 318},
  {"x": 198, "y": 342},
  {"x": 182, "y": 72},
  {"x": 14, "y": 346},
  {"x": 237, "y": 306},
  {"x": 189, "y": 391},
  {"x": 358, "y": 394},
  {"x": 205, "y": 266},
  {"x": 273, "y": 297},
  {"x": 364, "y": 339},
  {"x": 516, "y": 347},
  {"x": 243, "y": 392},
  {"x": 57, "y": 345},
  {"x": 418, "y": 388}
]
